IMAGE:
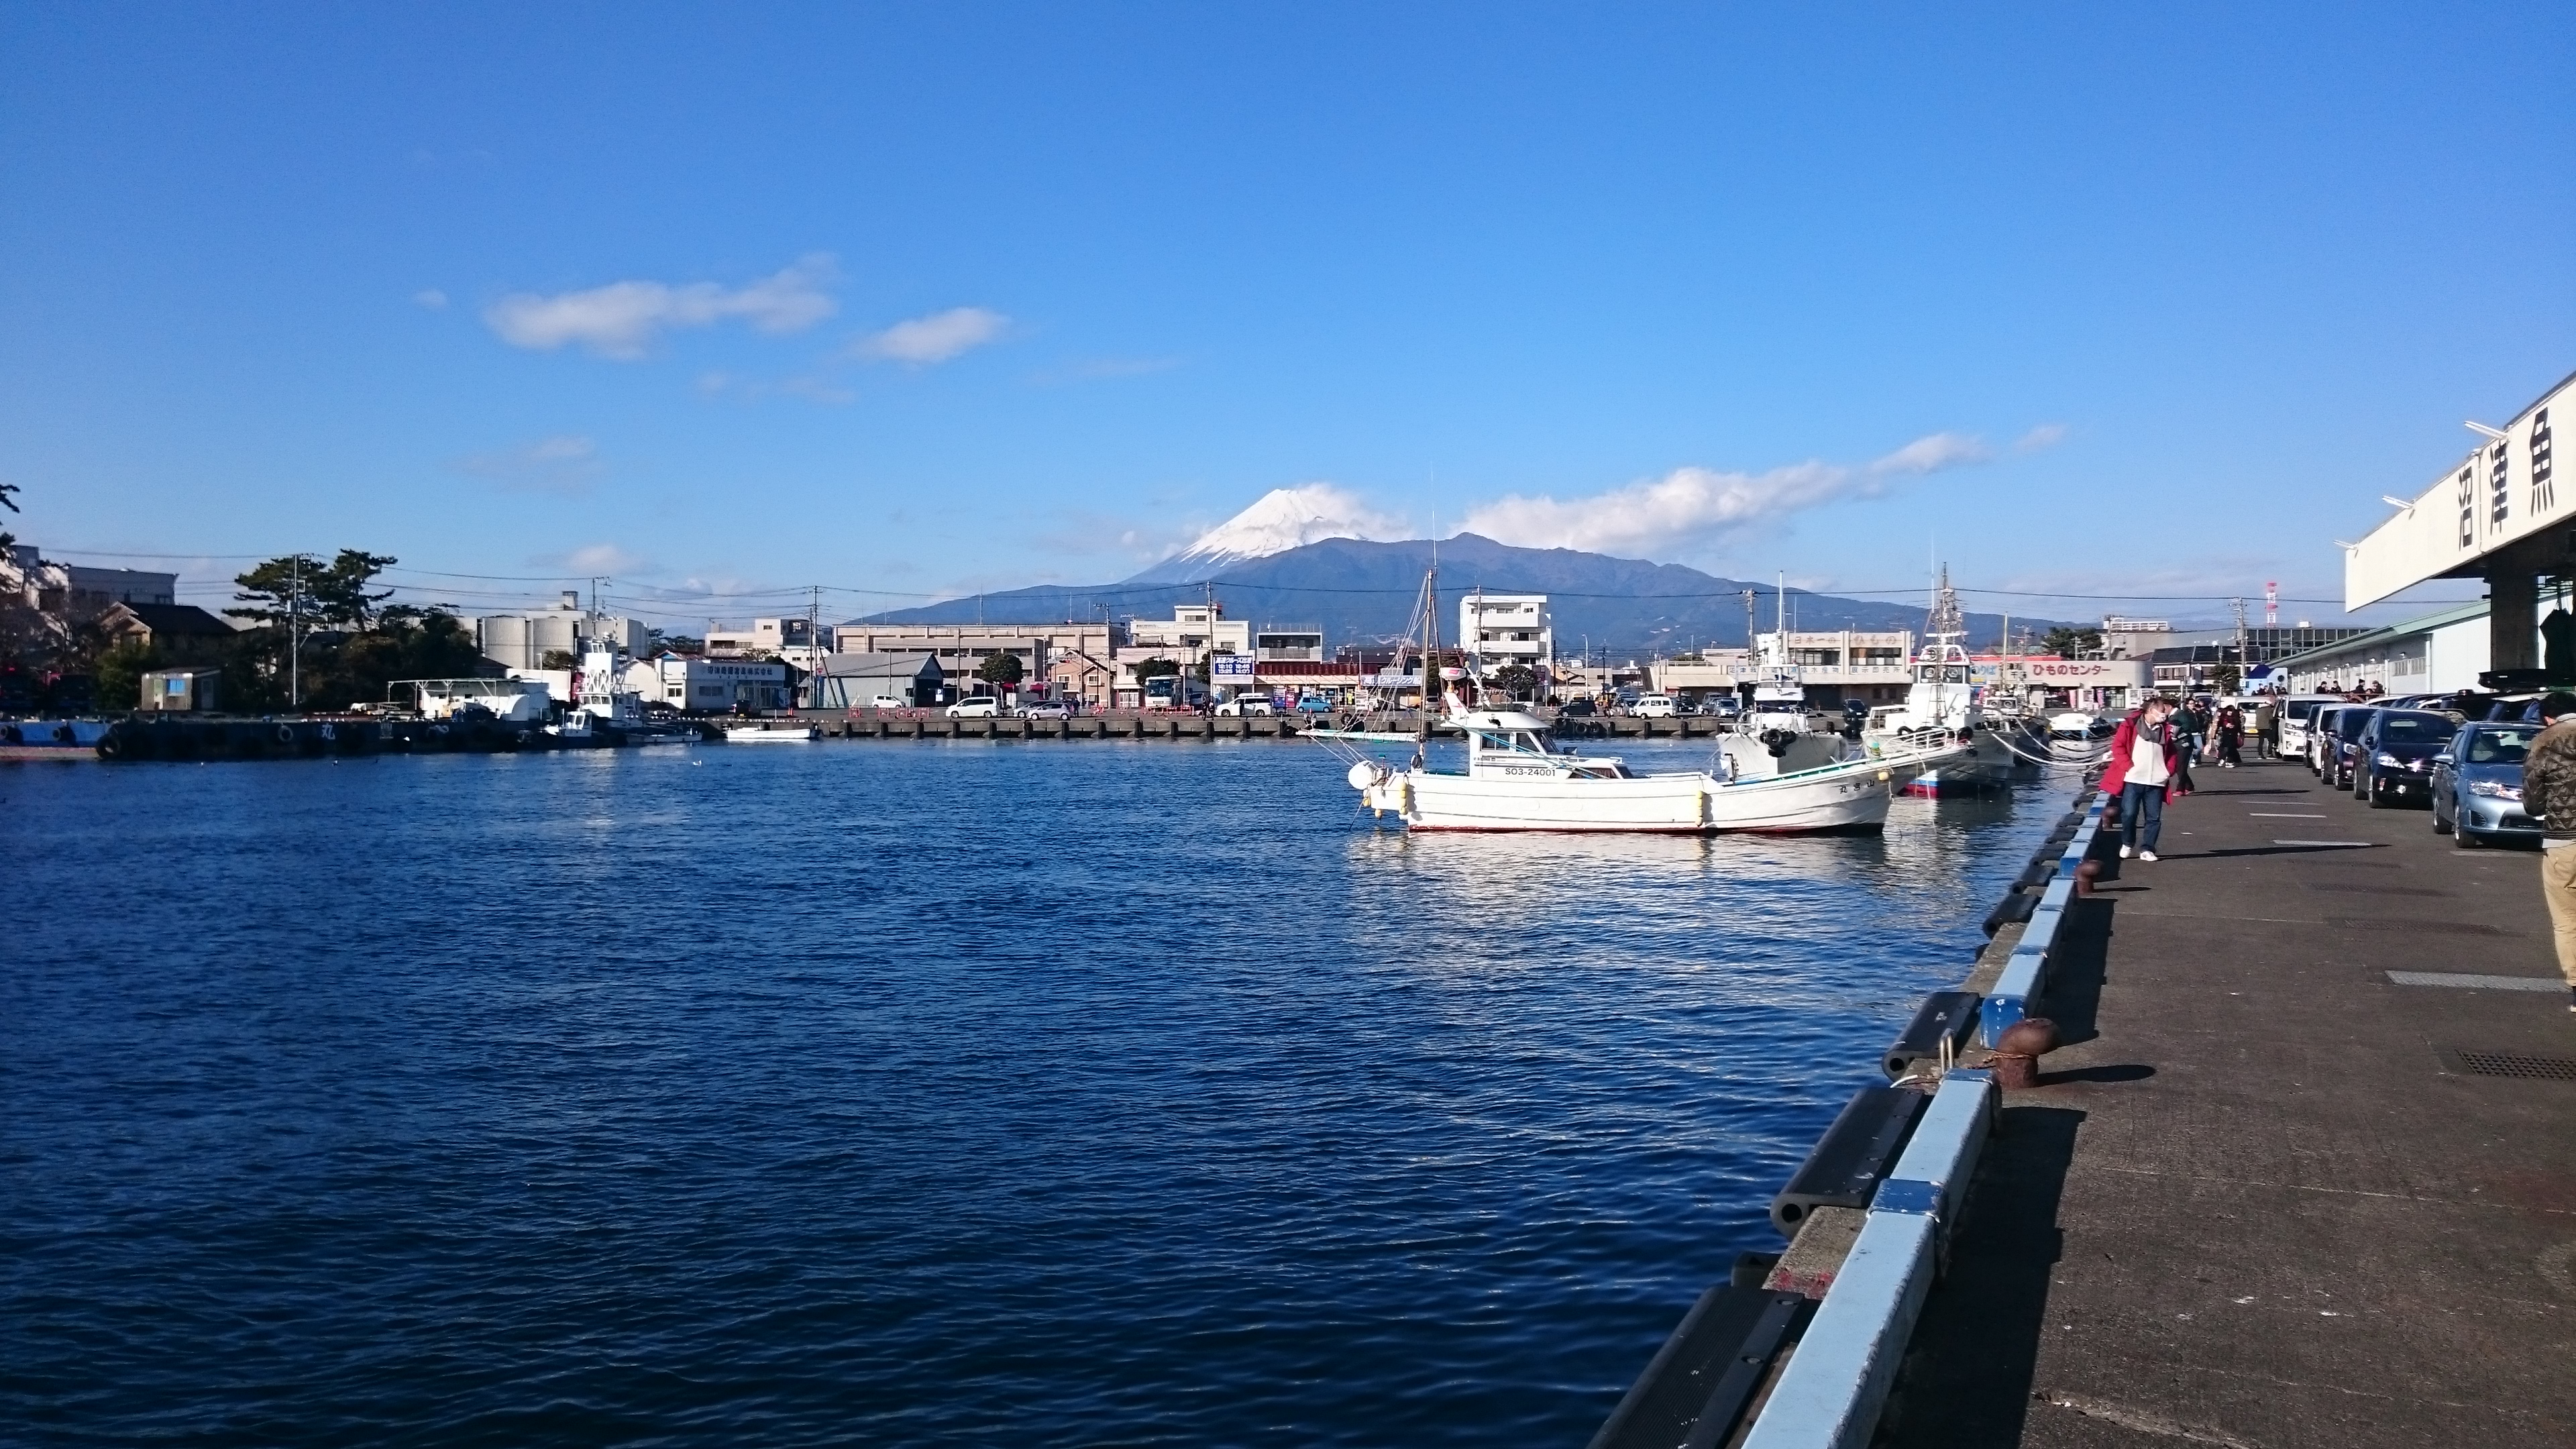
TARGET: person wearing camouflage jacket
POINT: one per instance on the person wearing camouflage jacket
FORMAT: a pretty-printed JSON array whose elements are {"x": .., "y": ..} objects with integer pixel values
[{"x": 2549, "y": 797}]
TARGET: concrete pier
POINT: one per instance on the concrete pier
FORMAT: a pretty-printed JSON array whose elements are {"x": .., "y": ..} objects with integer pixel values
[
  {"x": 870, "y": 724},
  {"x": 2304, "y": 1172}
]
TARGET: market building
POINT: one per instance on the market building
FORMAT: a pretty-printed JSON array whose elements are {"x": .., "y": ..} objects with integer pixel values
[{"x": 2496, "y": 515}]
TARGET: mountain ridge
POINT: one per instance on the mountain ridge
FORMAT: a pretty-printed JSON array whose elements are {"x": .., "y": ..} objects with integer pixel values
[{"x": 1361, "y": 591}]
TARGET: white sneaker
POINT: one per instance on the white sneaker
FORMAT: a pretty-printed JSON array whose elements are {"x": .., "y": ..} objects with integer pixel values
[
  {"x": 2146, "y": 855},
  {"x": 2124, "y": 852}
]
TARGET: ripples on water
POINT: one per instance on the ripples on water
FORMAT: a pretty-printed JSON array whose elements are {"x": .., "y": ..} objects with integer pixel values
[{"x": 905, "y": 1094}]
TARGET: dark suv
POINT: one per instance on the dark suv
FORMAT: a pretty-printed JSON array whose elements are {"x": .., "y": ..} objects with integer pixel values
[
  {"x": 2345, "y": 747},
  {"x": 2393, "y": 760}
]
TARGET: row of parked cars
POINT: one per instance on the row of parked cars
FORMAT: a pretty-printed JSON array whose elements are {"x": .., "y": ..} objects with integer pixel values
[{"x": 2463, "y": 763}]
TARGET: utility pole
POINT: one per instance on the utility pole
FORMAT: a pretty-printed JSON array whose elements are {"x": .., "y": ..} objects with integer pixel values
[
  {"x": 2243, "y": 663},
  {"x": 295, "y": 632}
]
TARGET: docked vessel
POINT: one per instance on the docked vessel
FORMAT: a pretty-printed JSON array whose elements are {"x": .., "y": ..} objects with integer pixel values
[
  {"x": 1519, "y": 778},
  {"x": 772, "y": 732},
  {"x": 51, "y": 739},
  {"x": 1945, "y": 710}
]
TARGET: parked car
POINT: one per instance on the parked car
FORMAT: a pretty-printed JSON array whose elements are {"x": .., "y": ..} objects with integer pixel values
[
  {"x": 2477, "y": 785},
  {"x": 1314, "y": 704},
  {"x": 2394, "y": 757},
  {"x": 2343, "y": 749},
  {"x": 2321, "y": 729},
  {"x": 886, "y": 701},
  {"x": 1246, "y": 709},
  {"x": 981, "y": 707},
  {"x": 1046, "y": 709},
  {"x": 1576, "y": 708},
  {"x": 1652, "y": 706}
]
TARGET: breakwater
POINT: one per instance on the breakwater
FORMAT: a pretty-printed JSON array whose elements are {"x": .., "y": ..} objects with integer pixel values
[
  {"x": 1800, "y": 1350},
  {"x": 190, "y": 737}
]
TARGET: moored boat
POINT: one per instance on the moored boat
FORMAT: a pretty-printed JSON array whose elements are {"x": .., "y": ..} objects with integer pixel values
[
  {"x": 772, "y": 732},
  {"x": 1519, "y": 778}
]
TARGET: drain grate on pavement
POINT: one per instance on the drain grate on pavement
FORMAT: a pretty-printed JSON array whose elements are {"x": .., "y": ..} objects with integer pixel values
[{"x": 2509, "y": 1064}]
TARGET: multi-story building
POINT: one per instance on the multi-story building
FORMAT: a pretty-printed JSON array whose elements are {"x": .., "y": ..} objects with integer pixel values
[
  {"x": 1189, "y": 631},
  {"x": 961, "y": 649},
  {"x": 1283, "y": 643},
  {"x": 708, "y": 685},
  {"x": 765, "y": 638},
  {"x": 1840, "y": 665},
  {"x": 1500, "y": 630},
  {"x": 74, "y": 594}
]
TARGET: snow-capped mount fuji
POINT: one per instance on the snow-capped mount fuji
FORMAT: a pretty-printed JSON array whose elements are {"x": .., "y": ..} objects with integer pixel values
[{"x": 1281, "y": 519}]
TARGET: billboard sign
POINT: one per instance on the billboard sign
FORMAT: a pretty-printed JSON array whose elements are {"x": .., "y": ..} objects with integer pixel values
[{"x": 2505, "y": 490}]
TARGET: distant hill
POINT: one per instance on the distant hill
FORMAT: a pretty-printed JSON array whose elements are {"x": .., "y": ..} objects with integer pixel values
[{"x": 1360, "y": 591}]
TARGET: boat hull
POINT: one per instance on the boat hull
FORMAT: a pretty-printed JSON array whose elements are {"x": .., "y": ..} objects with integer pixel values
[
  {"x": 1990, "y": 766},
  {"x": 1833, "y": 802}
]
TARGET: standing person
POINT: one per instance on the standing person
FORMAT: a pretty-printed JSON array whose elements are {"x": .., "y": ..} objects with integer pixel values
[
  {"x": 2267, "y": 726},
  {"x": 2185, "y": 743},
  {"x": 2549, "y": 796},
  {"x": 2144, "y": 762},
  {"x": 2231, "y": 737}
]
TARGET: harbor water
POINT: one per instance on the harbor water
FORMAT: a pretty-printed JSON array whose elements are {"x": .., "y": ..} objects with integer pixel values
[{"x": 935, "y": 1093}]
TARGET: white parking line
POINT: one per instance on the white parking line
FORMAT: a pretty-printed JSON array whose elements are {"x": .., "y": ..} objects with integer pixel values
[
  {"x": 2478, "y": 983},
  {"x": 2280, "y": 815}
]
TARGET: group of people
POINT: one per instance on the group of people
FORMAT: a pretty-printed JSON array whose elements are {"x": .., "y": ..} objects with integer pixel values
[{"x": 2150, "y": 763}]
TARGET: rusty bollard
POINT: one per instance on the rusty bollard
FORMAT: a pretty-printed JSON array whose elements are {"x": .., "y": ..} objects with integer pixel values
[
  {"x": 2085, "y": 875},
  {"x": 2017, "y": 1054}
]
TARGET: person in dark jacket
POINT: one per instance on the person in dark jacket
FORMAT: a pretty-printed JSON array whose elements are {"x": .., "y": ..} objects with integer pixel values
[
  {"x": 2229, "y": 728},
  {"x": 2145, "y": 760},
  {"x": 2549, "y": 796}
]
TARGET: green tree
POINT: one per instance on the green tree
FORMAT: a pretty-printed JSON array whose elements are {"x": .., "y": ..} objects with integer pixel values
[
  {"x": 2223, "y": 677},
  {"x": 117, "y": 676},
  {"x": 1001, "y": 667},
  {"x": 303, "y": 590},
  {"x": 2071, "y": 643},
  {"x": 557, "y": 659},
  {"x": 1155, "y": 669},
  {"x": 1516, "y": 680}
]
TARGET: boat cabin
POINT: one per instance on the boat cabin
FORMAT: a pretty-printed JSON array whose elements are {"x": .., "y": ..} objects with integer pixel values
[{"x": 1508, "y": 744}]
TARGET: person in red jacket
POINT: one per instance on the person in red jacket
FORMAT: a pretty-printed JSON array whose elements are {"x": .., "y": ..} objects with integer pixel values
[{"x": 2143, "y": 762}]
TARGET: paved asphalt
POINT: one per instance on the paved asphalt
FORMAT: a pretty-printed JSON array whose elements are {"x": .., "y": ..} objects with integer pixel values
[{"x": 2261, "y": 1198}]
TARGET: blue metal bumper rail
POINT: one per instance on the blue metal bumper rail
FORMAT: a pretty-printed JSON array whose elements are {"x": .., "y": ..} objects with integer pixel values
[
  {"x": 1834, "y": 1385},
  {"x": 2026, "y": 970}
]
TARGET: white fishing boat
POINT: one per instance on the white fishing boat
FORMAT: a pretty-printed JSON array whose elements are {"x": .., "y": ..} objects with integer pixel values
[
  {"x": 1945, "y": 710},
  {"x": 773, "y": 732},
  {"x": 1519, "y": 778}
]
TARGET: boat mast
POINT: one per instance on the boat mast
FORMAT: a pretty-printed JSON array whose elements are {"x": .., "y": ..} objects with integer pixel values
[{"x": 1431, "y": 639}]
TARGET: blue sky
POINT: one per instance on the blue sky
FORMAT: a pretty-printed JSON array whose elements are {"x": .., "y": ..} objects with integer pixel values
[{"x": 924, "y": 299}]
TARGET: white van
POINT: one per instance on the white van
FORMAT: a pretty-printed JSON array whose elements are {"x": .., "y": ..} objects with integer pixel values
[{"x": 1653, "y": 706}]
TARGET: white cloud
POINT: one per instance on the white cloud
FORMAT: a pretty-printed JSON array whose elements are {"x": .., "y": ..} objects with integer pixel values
[
  {"x": 623, "y": 319},
  {"x": 2046, "y": 435},
  {"x": 602, "y": 559},
  {"x": 567, "y": 463},
  {"x": 935, "y": 338},
  {"x": 1687, "y": 503},
  {"x": 431, "y": 298}
]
